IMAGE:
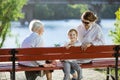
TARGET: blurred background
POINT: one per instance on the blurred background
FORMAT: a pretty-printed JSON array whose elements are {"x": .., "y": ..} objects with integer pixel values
[{"x": 58, "y": 17}]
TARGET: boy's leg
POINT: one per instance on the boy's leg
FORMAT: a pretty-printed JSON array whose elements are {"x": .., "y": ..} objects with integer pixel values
[
  {"x": 66, "y": 69},
  {"x": 78, "y": 69},
  {"x": 73, "y": 73},
  {"x": 74, "y": 76}
]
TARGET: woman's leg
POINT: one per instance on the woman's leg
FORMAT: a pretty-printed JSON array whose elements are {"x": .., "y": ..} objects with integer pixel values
[
  {"x": 48, "y": 74},
  {"x": 66, "y": 69}
]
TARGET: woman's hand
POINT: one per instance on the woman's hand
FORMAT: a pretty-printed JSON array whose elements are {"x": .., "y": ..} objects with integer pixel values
[
  {"x": 52, "y": 63},
  {"x": 49, "y": 65}
]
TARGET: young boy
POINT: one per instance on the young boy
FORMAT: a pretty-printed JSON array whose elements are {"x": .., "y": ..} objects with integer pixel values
[{"x": 71, "y": 65}]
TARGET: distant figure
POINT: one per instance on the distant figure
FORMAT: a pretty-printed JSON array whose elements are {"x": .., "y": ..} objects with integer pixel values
[
  {"x": 35, "y": 40},
  {"x": 71, "y": 65}
]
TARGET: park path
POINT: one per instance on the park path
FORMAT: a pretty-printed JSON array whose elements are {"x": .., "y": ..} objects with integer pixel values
[{"x": 88, "y": 74}]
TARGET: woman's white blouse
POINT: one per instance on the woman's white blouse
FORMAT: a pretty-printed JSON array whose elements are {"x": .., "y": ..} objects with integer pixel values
[{"x": 93, "y": 35}]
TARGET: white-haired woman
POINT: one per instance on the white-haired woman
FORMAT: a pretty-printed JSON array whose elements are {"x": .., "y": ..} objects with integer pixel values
[{"x": 35, "y": 40}]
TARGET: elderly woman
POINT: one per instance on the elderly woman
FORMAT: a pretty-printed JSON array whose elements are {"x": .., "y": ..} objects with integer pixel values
[{"x": 35, "y": 40}]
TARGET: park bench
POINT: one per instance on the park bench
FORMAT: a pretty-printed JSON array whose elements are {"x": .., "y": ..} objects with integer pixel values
[{"x": 104, "y": 56}]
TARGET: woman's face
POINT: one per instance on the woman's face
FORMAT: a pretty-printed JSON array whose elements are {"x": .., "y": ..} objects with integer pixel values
[
  {"x": 72, "y": 36},
  {"x": 86, "y": 22}
]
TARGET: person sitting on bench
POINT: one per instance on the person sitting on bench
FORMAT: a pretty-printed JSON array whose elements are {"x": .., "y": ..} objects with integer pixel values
[
  {"x": 35, "y": 40},
  {"x": 70, "y": 66}
]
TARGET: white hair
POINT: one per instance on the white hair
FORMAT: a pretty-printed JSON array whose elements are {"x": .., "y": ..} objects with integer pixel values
[{"x": 35, "y": 24}]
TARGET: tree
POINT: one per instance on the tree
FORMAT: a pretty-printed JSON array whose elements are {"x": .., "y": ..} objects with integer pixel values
[
  {"x": 9, "y": 10},
  {"x": 116, "y": 33}
]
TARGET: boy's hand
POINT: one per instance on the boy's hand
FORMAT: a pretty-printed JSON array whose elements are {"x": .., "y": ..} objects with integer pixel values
[
  {"x": 85, "y": 46},
  {"x": 68, "y": 46}
]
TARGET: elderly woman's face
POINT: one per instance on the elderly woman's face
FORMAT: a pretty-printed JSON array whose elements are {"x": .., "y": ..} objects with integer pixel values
[{"x": 40, "y": 30}]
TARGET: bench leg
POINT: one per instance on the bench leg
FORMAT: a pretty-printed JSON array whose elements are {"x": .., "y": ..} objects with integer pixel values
[
  {"x": 11, "y": 77},
  {"x": 113, "y": 78},
  {"x": 108, "y": 73}
]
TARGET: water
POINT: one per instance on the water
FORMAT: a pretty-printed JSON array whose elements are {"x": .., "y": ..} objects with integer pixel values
[{"x": 55, "y": 32}]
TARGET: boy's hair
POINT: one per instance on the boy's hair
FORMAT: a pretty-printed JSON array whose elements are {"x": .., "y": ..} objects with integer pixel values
[{"x": 73, "y": 30}]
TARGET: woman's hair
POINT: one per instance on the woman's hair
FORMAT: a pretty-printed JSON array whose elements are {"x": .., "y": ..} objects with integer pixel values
[
  {"x": 89, "y": 15},
  {"x": 72, "y": 30},
  {"x": 35, "y": 25}
]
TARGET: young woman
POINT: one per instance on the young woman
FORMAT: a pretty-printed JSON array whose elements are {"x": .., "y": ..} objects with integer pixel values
[{"x": 89, "y": 33}]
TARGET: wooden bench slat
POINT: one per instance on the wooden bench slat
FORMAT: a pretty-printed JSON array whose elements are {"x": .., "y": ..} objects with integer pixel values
[
  {"x": 43, "y": 50},
  {"x": 5, "y": 51},
  {"x": 95, "y": 64},
  {"x": 5, "y": 58},
  {"x": 75, "y": 56},
  {"x": 53, "y": 56}
]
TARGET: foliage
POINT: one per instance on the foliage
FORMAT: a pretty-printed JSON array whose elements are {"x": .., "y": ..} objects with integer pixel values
[
  {"x": 108, "y": 10},
  {"x": 71, "y": 11},
  {"x": 116, "y": 33},
  {"x": 9, "y": 10},
  {"x": 59, "y": 11}
]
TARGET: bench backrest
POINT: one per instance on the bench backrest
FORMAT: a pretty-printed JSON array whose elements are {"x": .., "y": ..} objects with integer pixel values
[{"x": 52, "y": 53}]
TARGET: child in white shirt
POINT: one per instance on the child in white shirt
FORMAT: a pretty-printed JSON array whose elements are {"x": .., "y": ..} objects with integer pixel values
[{"x": 70, "y": 65}]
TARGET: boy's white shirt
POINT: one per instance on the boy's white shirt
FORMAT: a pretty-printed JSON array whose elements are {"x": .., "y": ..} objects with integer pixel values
[{"x": 77, "y": 43}]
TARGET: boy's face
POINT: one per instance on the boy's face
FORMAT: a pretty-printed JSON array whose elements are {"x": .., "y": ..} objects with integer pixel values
[{"x": 72, "y": 36}]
